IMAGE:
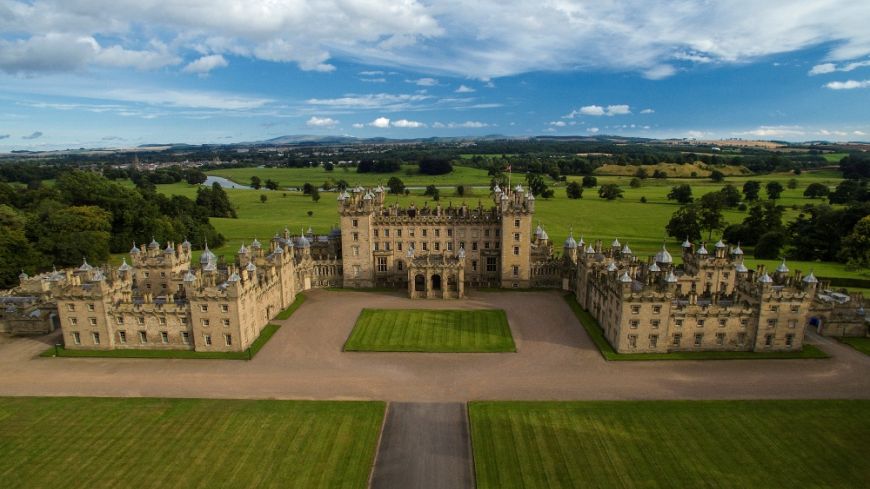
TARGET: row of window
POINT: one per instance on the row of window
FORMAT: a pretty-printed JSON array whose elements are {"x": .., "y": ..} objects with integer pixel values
[
  {"x": 744, "y": 322},
  {"x": 424, "y": 232},
  {"x": 677, "y": 340},
  {"x": 143, "y": 338}
]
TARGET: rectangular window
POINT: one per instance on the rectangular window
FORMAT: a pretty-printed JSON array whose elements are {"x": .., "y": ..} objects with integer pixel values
[
  {"x": 355, "y": 250},
  {"x": 722, "y": 323},
  {"x": 657, "y": 309},
  {"x": 516, "y": 236},
  {"x": 386, "y": 233},
  {"x": 720, "y": 339},
  {"x": 73, "y": 321},
  {"x": 698, "y": 339},
  {"x": 205, "y": 322},
  {"x": 96, "y": 338},
  {"x": 411, "y": 232},
  {"x": 399, "y": 246},
  {"x": 450, "y": 246},
  {"x": 792, "y": 323},
  {"x": 382, "y": 264},
  {"x": 356, "y": 271},
  {"x": 119, "y": 319},
  {"x": 354, "y": 222},
  {"x": 185, "y": 337},
  {"x": 122, "y": 337},
  {"x": 183, "y": 320},
  {"x": 678, "y": 338},
  {"x": 774, "y": 308},
  {"x": 768, "y": 340},
  {"x": 161, "y": 320},
  {"x": 789, "y": 340},
  {"x": 225, "y": 308},
  {"x": 679, "y": 322},
  {"x": 399, "y": 265},
  {"x": 143, "y": 337},
  {"x": 203, "y": 308},
  {"x": 140, "y": 320},
  {"x": 437, "y": 233},
  {"x": 375, "y": 233},
  {"x": 398, "y": 233},
  {"x": 653, "y": 340},
  {"x": 437, "y": 246},
  {"x": 474, "y": 246},
  {"x": 632, "y": 341},
  {"x": 516, "y": 223},
  {"x": 77, "y": 339},
  {"x": 473, "y": 265},
  {"x": 744, "y": 322},
  {"x": 425, "y": 246},
  {"x": 450, "y": 233},
  {"x": 228, "y": 339},
  {"x": 654, "y": 323},
  {"x": 164, "y": 337},
  {"x": 486, "y": 233},
  {"x": 355, "y": 236},
  {"x": 794, "y": 308},
  {"x": 90, "y": 307},
  {"x": 207, "y": 339},
  {"x": 771, "y": 323},
  {"x": 516, "y": 250},
  {"x": 516, "y": 271},
  {"x": 700, "y": 323},
  {"x": 490, "y": 264},
  {"x": 225, "y": 323},
  {"x": 634, "y": 323},
  {"x": 92, "y": 321},
  {"x": 71, "y": 307},
  {"x": 424, "y": 232},
  {"x": 635, "y": 309}
]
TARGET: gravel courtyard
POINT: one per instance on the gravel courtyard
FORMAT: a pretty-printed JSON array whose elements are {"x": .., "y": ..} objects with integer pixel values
[{"x": 555, "y": 360}]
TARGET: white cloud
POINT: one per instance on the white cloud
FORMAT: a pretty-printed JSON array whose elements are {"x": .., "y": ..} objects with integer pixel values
[
  {"x": 848, "y": 85},
  {"x": 358, "y": 125},
  {"x": 380, "y": 122},
  {"x": 558, "y": 123},
  {"x": 464, "y": 89},
  {"x": 592, "y": 130},
  {"x": 371, "y": 101},
  {"x": 483, "y": 39},
  {"x": 373, "y": 80},
  {"x": 859, "y": 133},
  {"x": 205, "y": 64},
  {"x": 180, "y": 98},
  {"x": 597, "y": 110},
  {"x": 775, "y": 132},
  {"x": 467, "y": 125},
  {"x": 438, "y": 125},
  {"x": 405, "y": 123},
  {"x": 424, "y": 82},
  {"x": 372, "y": 73},
  {"x": 831, "y": 67},
  {"x": 315, "y": 121},
  {"x": 647, "y": 111}
]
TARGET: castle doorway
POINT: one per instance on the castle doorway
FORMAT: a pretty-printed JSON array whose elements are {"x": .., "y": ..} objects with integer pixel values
[
  {"x": 436, "y": 282},
  {"x": 419, "y": 283}
]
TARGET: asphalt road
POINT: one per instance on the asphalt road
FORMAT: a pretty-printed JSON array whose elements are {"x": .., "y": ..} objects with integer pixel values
[{"x": 424, "y": 446}]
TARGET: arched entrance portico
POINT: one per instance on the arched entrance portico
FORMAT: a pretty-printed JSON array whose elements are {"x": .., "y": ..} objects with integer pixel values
[
  {"x": 420, "y": 283},
  {"x": 436, "y": 282},
  {"x": 435, "y": 277}
]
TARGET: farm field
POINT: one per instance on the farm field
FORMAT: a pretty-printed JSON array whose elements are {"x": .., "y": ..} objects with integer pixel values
[
  {"x": 419, "y": 330},
  {"x": 640, "y": 225},
  {"x": 136, "y": 442},
  {"x": 670, "y": 444}
]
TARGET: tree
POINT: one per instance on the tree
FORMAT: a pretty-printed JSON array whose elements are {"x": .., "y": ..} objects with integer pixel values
[
  {"x": 769, "y": 245},
  {"x": 641, "y": 173},
  {"x": 271, "y": 184},
  {"x": 855, "y": 249},
  {"x": 432, "y": 191},
  {"x": 195, "y": 176},
  {"x": 328, "y": 166},
  {"x": 256, "y": 183},
  {"x": 463, "y": 190},
  {"x": 435, "y": 166},
  {"x": 215, "y": 200},
  {"x": 315, "y": 194},
  {"x": 574, "y": 190},
  {"x": 685, "y": 223},
  {"x": 16, "y": 252},
  {"x": 69, "y": 233},
  {"x": 634, "y": 183},
  {"x": 610, "y": 191},
  {"x": 774, "y": 190},
  {"x": 307, "y": 188},
  {"x": 710, "y": 215},
  {"x": 717, "y": 176},
  {"x": 659, "y": 174},
  {"x": 792, "y": 183},
  {"x": 751, "y": 189},
  {"x": 849, "y": 191},
  {"x": 590, "y": 181},
  {"x": 537, "y": 185},
  {"x": 681, "y": 193},
  {"x": 342, "y": 185},
  {"x": 816, "y": 190},
  {"x": 730, "y": 196},
  {"x": 395, "y": 185}
]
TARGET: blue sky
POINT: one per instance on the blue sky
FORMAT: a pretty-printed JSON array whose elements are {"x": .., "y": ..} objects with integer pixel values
[{"x": 119, "y": 73}]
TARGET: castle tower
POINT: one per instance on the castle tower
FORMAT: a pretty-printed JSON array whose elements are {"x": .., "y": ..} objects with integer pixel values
[
  {"x": 356, "y": 211},
  {"x": 516, "y": 237}
]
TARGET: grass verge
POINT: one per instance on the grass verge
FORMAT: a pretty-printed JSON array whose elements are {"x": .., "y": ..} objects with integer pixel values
[
  {"x": 672, "y": 444},
  {"x": 268, "y": 331},
  {"x": 136, "y": 442},
  {"x": 860, "y": 344},
  {"x": 597, "y": 335},
  {"x": 429, "y": 330},
  {"x": 286, "y": 313}
]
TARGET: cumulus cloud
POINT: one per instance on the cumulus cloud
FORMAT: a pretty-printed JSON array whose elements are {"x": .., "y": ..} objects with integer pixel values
[
  {"x": 598, "y": 110},
  {"x": 371, "y": 101},
  {"x": 205, "y": 64},
  {"x": 483, "y": 39},
  {"x": 647, "y": 111},
  {"x": 592, "y": 130},
  {"x": 315, "y": 121},
  {"x": 825, "y": 68},
  {"x": 34, "y": 135},
  {"x": 424, "y": 82},
  {"x": 404, "y": 123},
  {"x": 558, "y": 123},
  {"x": 848, "y": 85},
  {"x": 380, "y": 122},
  {"x": 464, "y": 89}
]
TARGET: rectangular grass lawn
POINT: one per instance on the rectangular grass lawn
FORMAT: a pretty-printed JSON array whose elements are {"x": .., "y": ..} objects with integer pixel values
[
  {"x": 110, "y": 443},
  {"x": 671, "y": 444},
  {"x": 431, "y": 330}
]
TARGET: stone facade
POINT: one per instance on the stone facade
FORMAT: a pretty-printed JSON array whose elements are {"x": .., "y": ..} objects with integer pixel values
[{"x": 161, "y": 300}]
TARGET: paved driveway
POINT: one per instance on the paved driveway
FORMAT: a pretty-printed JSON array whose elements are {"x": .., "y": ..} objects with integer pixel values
[{"x": 555, "y": 359}]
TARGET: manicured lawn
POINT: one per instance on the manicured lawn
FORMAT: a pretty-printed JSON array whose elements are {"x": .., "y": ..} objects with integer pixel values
[
  {"x": 110, "y": 443},
  {"x": 268, "y": 331},
  {"x": 296, "y": 177},
  {"x": 671, "y": 444},
  {"x": 419, "y": 330},
  {"x": 593, "y": 329},
  {"x": 286, "y": 313},
  {"x": 860, "y": 344}
]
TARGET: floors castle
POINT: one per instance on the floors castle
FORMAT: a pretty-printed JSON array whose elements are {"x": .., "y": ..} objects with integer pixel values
[{"x": 162, "y": 299}]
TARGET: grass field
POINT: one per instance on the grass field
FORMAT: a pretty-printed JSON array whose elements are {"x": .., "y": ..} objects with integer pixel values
[
  {"x": 110, "y": 443},
  {"x": 860, "y": 344},
  {"x": 419, "y": 330},
  {"x": 593, "y": 329},
  {"x": 296, "y": 177},
  {"x": 641, "y": 225},
  {"x": 268, "y": 331},
  {"x": 671, "y": 444},
  {"x": 297, "y": 303}
]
